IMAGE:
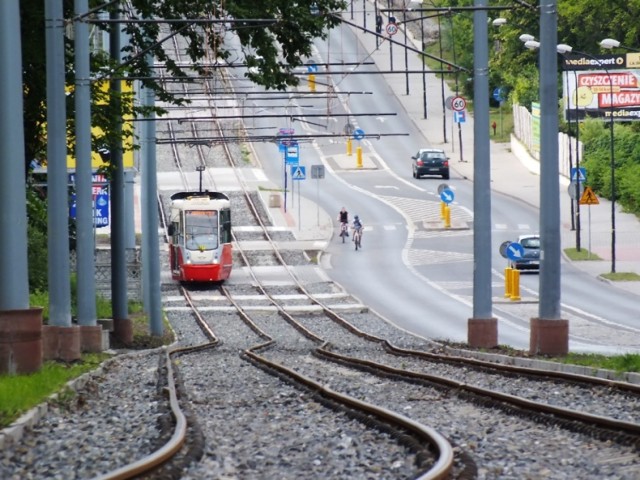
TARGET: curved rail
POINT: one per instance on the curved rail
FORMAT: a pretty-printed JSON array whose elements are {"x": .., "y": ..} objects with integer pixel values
[
  {"x": 171, "y": 448},
  {"x": 444, "y": 463}
]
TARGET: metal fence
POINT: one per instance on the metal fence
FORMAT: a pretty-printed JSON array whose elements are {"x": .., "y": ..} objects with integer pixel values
[{"x": 103, "y": 272}]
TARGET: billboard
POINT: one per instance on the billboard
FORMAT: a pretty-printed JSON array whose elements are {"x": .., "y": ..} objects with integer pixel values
[{"x": 601, "y": 86}]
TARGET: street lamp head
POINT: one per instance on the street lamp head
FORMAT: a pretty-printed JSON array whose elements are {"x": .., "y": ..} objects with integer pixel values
[
  {"x": 609, "y": 43},
  {"x": 498, "y": 22},
  {"x": 532, "y": 44},
  {"x": 525, "y": 37},
  {"x": 564, "y": 48}
]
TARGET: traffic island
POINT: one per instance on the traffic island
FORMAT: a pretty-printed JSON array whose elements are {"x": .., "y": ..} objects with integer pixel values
[
  {"x": 549, "y": 337},
  {"x": 20, "y": 341},
  {"x": 482, "y": 332}
]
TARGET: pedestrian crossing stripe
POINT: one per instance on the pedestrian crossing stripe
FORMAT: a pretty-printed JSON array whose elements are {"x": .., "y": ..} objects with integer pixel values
[
  {"x": 298, "y": 173},
  {"x": 588, "y": 197}
]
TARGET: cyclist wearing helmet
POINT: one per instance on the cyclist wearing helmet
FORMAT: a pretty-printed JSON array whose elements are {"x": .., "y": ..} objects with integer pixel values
[{"x": 357, "y": 225}]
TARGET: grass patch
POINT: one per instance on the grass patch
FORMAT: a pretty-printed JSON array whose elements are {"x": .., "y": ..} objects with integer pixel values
[
  {"x": 629, "y": 362},
  {"x": 20, "y": 393},
  {"x": 246, "y": 153},
  {"x": 504, "y": 124},
  {"x": 621, "y": 276},
  {"x": 581, "y": 255},
  {"x": 142, "y": 338},
  {"x": 265, "y": 189}
]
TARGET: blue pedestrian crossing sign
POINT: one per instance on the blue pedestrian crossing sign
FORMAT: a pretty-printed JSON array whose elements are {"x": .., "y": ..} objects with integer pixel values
[
  {"x": 298, "y": 172},
  {"x": 578, "y": 173}
]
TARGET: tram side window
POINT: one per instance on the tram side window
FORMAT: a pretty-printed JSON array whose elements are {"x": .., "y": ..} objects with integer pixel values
[
  {"x": 225, "y": 221},
  {"x": 201, "y": 230}
]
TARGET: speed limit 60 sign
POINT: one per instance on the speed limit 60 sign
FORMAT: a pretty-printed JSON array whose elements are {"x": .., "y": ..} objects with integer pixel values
[{"x": 458, "y": 104}]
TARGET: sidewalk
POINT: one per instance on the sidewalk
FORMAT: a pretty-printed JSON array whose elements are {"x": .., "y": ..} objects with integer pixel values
[{"x": 513, "y": 171}]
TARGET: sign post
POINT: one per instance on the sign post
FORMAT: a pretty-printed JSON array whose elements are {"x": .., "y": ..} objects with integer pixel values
[
  {"x": 298, "y": 172},
  {"x": 317, "y": 172},
  {"x": 458, "y": 104},
  {"x": 284, "y": 144},
  {"x": 589, "y": 198}
]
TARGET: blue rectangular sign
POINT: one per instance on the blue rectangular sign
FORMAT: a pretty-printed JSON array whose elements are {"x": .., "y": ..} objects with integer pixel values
[
  {"x": 298, "y": 172},
  {"x": 100, "y": 206}
]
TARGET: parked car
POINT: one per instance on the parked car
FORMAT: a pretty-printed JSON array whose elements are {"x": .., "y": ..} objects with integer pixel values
[
  {"x": 430, "y": 161},
  {"x": 531, "y": 257}
]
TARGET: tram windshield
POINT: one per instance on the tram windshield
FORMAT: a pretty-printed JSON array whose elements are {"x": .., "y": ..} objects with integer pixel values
[{"x": 201, "y": 229}]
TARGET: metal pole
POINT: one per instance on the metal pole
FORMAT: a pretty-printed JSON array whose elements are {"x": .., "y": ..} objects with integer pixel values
[
  {"x": 406, "y": 54},
  {"x": 571, "y": 203},
  {"x": 484, "y": 331},
  {"x": 150, "y": 237},
  {"x": 118, "y": 253},
  {"x": 390, "y": 43},
  {"x": 549, "y": 305},
  {"x": 14, "y": 278},
  {"x": 613, "y": 182},
  {"x": 424, "y": 79},
  {"x": 57, "y": 192},
  {"x": 575, "y": 75},
  {"x": 613, "y": 160},
  {"x": 453, "y": 47},
  {"x": 444, "y": 106},
  {"x": 85, "y": 246}
]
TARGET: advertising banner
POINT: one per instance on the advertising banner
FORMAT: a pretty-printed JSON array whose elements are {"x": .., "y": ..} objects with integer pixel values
[{"x": 601, "y": 86}]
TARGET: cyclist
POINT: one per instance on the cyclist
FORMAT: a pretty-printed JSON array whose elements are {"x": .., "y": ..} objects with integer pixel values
[
  {"x": 357, "y": 225},
  {"x": 343, "y": 218}
]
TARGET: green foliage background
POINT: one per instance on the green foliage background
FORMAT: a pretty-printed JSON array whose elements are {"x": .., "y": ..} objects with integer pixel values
[{"x": 581, "y": 24}]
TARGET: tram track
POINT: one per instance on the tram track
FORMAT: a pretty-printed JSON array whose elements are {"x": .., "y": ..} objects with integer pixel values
[
  {"x": 384, "y": 370},
  {"x": 237, "y": 377}
]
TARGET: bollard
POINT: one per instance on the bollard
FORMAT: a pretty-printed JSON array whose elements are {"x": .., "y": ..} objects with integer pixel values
[
  {"x": 442, "y": 207},
  {"x": 447, "y": 217},
  {"x": 359, "y": 157},
  {"x": 515, "y": 287},
  {"x": 508, "y": 278},
  {"x": 349, "y": 146},
  {"x": 312, "y": 82}
]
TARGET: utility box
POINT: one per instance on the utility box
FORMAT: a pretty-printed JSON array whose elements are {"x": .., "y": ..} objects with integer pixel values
[{"x": 274, "y": 200}]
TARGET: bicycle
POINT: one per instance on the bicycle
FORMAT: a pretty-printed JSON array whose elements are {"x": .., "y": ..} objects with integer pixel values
[
  {"x": 357, "y": 237},
  {"x": 344, "y": 231}
]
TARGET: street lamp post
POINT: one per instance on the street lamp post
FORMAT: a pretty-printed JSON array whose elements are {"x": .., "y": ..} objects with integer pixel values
[
  {"x": 563, "y": 48},
  {"x": 611, "y": 43},
  {"x": 532, "y": 44}
]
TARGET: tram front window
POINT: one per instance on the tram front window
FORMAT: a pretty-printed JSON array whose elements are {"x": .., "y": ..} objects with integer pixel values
[{"x": 201, "y": 230}]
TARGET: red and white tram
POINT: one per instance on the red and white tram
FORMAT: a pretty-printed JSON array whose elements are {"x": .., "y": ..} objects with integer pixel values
[{"x": 200, "y": 236}]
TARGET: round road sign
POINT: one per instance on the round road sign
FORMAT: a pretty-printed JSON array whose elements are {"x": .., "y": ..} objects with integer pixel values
[
  {"x": 447, "y": 196},
  {"x": 392, "y": 28},
  {"x": 348, "y": 129},
  {"x": 458, "y": 104},
  {"x": 573, "y": 190},
  {"x": 515, "y": 251},
  {"x": 442, "y": 187},
  {"x": 358, "y": 134},
  {"x": 448, "y": 101},
  {"x": 503, "y": 248}
]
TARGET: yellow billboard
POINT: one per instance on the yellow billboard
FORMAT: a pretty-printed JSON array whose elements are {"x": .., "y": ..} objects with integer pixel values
[{"x": 127, "y": 156}]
